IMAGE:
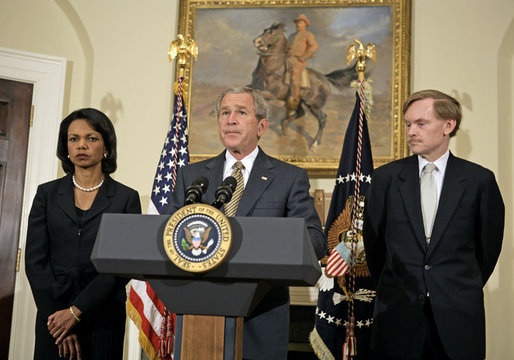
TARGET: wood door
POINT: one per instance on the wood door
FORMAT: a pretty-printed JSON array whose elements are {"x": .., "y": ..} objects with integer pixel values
[{"x": 15, "y": 109}]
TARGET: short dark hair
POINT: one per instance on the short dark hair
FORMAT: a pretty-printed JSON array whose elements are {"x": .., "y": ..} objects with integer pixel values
[
  {"x": 445, "y": 106},
  {"x": 98, "y": 121},
  {"x": 259, "y": 103}
]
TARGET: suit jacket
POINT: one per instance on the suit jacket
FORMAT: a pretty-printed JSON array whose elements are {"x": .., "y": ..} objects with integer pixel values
[
  {"x": 274, "y": 188},
  {"x": 465, "y": 244},
  {"x": 58, "y": 253}
]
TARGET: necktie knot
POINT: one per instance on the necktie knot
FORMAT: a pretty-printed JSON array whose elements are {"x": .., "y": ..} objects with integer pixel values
[
  {"x": 429, "y": 168},
  {"x": 238, "y": 166}
]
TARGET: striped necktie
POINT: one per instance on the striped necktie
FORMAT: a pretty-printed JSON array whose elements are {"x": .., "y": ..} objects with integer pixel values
[
  {"x": 231, "y": 207},
  {"x": 428, "y": 199}
]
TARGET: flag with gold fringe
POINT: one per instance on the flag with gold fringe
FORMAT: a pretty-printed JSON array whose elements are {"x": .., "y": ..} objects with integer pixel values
[
  {"x": 344, "y": 313},
  {"x": 156, "y": 324}
]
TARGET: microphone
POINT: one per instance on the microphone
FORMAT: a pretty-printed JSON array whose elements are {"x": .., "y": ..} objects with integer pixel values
[
  {"x": 196, "y": 189},
  {"x": 224, "y": 192}
]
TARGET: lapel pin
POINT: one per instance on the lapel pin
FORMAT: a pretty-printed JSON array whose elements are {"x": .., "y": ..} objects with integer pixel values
[{"x": 264, "y": 178}]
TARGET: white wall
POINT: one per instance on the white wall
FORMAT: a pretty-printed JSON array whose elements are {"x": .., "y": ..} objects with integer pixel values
[
  {"x": 117, "y": 54},
  {"x": 117, "y": 61}
]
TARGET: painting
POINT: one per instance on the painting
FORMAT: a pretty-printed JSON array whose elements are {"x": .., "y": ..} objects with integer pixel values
[{"x": 229, "y": 35}]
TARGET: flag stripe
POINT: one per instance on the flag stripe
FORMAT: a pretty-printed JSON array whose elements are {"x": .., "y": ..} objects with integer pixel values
[
  {"x": 338, "y": 270},
  {"x": 337, "y": 266},
  {"x": 148, "y": 339},
  {"x": 152, "y": 309},
  {"x": 152, "y": 296},
  {"x": 335, "y": 263}
]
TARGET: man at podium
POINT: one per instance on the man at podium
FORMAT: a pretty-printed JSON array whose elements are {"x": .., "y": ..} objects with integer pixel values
[{"x": 267, "y": 187}]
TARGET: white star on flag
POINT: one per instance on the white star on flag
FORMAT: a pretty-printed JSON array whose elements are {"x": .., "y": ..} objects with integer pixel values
[{"x": 163, "y": 201}]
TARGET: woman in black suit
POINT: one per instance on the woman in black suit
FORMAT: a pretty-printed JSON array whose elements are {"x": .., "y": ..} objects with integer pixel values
[{"x": 80, "y": 313}]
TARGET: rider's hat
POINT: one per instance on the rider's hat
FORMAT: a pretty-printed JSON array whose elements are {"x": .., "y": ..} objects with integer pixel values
[{"x": 302, "y": 17}]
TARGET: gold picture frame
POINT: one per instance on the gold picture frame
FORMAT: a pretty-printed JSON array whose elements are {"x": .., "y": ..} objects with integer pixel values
[{"x": 224, "y": 31}]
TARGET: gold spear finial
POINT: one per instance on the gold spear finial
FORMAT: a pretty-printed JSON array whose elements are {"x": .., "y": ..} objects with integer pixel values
[
  {"x": 182, "y": 50},
  {"x": 360, "y": 54}
]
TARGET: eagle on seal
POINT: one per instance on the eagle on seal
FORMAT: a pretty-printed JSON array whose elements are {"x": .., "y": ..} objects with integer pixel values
[{"x": 197, "y": 239}]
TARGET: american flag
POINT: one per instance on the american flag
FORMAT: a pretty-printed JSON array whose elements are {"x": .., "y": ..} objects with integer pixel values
[{"x": 156, "y": 325}]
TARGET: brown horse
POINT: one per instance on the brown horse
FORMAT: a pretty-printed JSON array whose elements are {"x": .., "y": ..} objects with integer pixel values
[{"x": 272, "y": 70}]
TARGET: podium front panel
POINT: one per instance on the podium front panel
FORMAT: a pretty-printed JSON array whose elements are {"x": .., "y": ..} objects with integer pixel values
[{"x": 276, "y": 250}]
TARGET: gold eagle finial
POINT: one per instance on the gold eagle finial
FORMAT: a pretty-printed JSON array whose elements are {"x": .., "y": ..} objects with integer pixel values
[
  {"x": 360, "y": 53},
  {"x": 182, "y": 49}
]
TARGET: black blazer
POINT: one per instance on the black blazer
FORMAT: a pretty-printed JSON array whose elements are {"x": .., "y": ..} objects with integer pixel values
[
  {"x": 465, "y": 245},
  {"x": 59, "y": 246},
  {"x": 274, "y": 188}
]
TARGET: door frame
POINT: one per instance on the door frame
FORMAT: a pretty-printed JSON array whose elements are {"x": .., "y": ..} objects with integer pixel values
[{"x": 48, "y": 74}]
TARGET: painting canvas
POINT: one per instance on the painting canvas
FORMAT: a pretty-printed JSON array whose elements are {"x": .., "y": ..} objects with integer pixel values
[{"x": 228, "y": 57}]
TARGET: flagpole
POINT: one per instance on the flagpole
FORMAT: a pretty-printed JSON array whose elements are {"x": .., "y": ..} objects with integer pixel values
[{"x": 361, "y": 54}]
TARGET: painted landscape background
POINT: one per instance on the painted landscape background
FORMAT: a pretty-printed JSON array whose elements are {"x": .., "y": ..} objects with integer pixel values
[{"x": 227, "y": 57}]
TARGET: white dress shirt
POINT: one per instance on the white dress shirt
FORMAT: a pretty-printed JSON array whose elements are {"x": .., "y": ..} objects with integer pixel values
[{"x": 247, "y": 161}]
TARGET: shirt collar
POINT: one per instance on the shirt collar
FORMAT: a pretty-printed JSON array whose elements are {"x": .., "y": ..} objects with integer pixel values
[
  {"x": 247, "y": 161},
  {"x": 440, "y": 163}
]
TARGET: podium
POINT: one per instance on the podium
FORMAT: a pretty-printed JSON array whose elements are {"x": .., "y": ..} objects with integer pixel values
[{"x": 265, "y": 252}]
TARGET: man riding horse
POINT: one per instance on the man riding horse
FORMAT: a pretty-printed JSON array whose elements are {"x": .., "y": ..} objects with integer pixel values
[
  {"x": 302, "y": 46},
  {"x": 271, "y": 76}
]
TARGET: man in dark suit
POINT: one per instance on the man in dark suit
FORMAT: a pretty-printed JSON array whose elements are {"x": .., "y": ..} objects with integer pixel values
[
  {"x": 430, "y": 265},
  {"x": 271, "y": 188}
]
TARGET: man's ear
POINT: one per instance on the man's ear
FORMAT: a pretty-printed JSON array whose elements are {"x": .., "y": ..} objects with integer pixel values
[
  {"x": 262, "y": 126},
  {"x": 449, "y": 126}
]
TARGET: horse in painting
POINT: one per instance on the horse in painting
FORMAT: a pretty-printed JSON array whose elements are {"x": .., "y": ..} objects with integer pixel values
[{"x": 271, "y": 77}]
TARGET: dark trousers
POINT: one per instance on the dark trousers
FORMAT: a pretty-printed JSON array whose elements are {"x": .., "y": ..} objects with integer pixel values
[{"x": 432, "y": 346}]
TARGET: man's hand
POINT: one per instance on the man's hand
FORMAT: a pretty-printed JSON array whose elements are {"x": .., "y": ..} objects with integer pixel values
[
  {"x": 69, "y": 348},
  {"x": 61, "y": 322}
]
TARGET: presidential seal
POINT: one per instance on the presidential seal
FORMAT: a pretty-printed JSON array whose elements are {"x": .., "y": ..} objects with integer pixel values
[{"x": 197, "y": 238}]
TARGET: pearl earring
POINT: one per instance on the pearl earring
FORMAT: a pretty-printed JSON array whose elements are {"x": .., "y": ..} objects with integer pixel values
[{"x": 105, "y": 156}]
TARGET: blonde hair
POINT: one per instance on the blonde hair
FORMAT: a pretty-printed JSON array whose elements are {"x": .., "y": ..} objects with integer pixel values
[{"x": 445, "y": 106}]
